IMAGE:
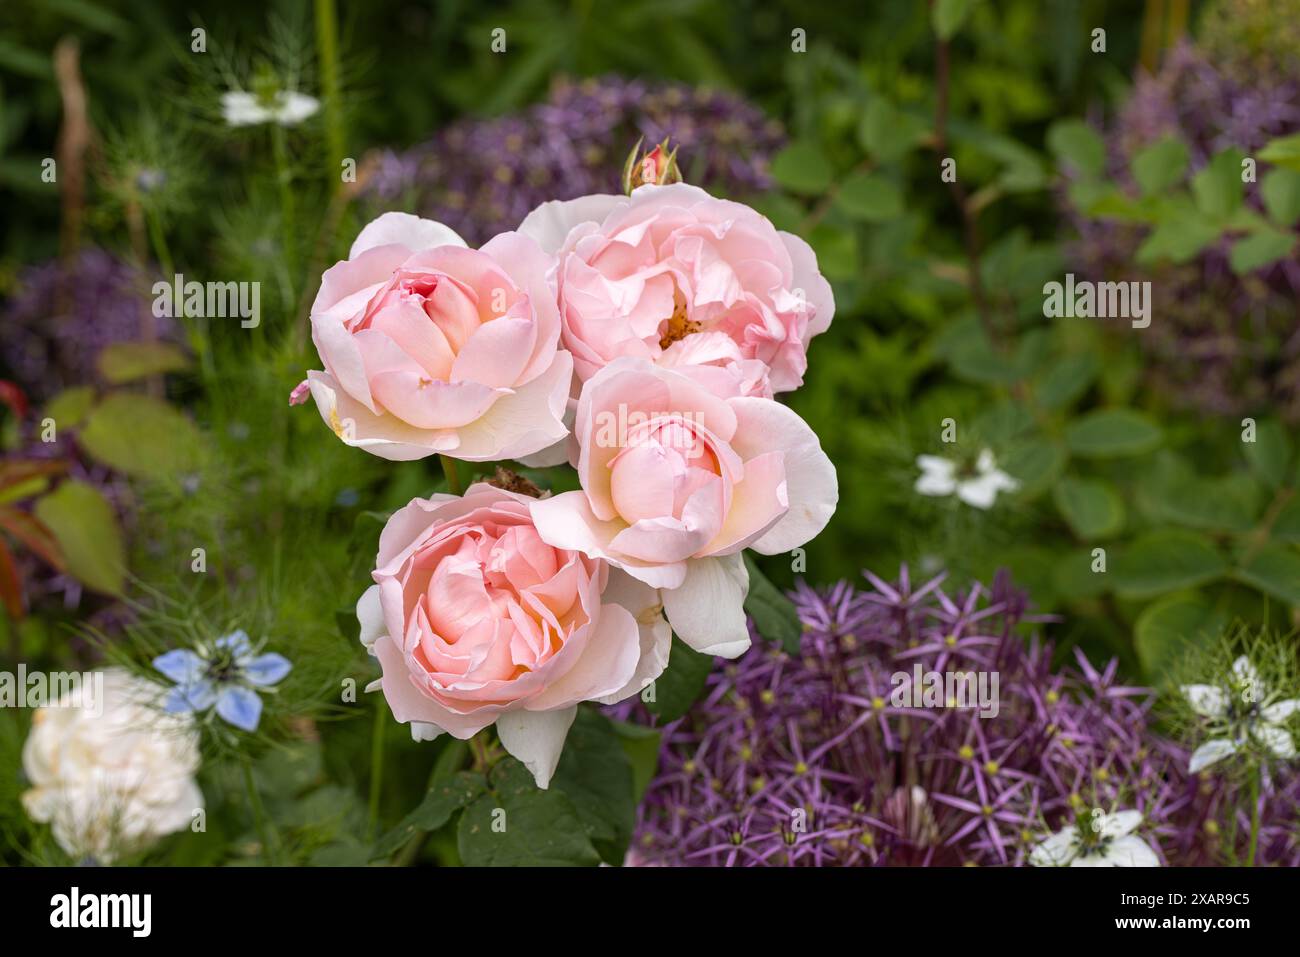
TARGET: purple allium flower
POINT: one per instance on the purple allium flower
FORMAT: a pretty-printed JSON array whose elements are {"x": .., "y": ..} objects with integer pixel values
[
  {"x": 483, "y": 176},
  {"x": 815, "y": 760},
  {"x": 62, "y": 315},
  {"x": 1221, "y": 343}
]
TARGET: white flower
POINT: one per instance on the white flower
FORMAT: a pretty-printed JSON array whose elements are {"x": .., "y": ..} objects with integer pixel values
[
  {"x": 116, "y": 781},
  {"x": 1246, "y": 711},
  {"x": 1103, "y": 840},
  {"x": 286, "y": 108},
  {"x": 939, "y": 476}
]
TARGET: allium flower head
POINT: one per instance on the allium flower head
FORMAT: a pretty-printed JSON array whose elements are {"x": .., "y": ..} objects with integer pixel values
[
  {"x": 63, "y": 314},
  {"x": 482, "y": 177},
  {"x": 1224, "y": 343},
  {"x": 827, "y": 758}
]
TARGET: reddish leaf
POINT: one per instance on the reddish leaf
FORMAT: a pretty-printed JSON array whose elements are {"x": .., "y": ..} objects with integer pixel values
[
  {"x": 12, "y": 396},
  {"x": 31, "y": 531},
  {"x": 17, "y": 471},
  {"x": 11, "y": 586}
]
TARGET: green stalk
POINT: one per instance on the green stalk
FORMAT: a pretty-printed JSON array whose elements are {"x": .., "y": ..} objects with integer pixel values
[
  {"x": 284, "y": 175},
  {"x": 449, "y": 470},
  {"x": 259, "y": 814},
  {"x": 327, "y": 53},
  {"x": 376, "y": 769},
  {"x": 1254, "y": 817}
]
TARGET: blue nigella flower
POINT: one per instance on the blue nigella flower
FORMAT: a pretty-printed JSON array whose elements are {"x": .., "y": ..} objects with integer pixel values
[{"x": 227, "y": 674}]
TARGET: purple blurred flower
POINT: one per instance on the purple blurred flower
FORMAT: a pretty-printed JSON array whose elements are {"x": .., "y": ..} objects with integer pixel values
[
  {"x": 1221, "y": 343},
  {"x": 61, "y": 316},
  {"x": 814, "y": 761},
  {"x": 481, "y": 177}
]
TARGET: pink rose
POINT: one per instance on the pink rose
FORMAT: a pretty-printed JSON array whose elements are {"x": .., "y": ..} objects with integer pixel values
[
  {"x": 677, "y": 481},
  {"x": 672, "y": 275},
  {"x": 432, "y": 347},
  {"x": 476, "y": 620}
]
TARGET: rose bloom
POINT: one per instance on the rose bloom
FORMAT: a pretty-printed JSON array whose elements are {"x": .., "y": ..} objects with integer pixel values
[
  {"x": 676, "y": 482},
  {"x": 476, "y": 620},
  {"x": 675, "y": 276},
  {"x": 432, "y": 347},
  {"x": 112, "y": 783}
]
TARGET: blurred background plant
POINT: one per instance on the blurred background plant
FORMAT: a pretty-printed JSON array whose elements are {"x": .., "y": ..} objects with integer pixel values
[{"x": 179, "y": 497}]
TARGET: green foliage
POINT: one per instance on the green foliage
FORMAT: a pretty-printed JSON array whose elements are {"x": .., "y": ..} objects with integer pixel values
[
  {"x": 1149, "y": 528},
  {"x": 774, "y": 614}
]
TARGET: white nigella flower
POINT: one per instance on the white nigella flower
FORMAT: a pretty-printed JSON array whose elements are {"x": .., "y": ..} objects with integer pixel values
[
  {"x": 284, "y": 107},
  {"x": 113, "y": 782},
  {"x": 1242, "y": 711},
  {"x": 940, "y": 476},
  {"x": 1100, "y": 840}
]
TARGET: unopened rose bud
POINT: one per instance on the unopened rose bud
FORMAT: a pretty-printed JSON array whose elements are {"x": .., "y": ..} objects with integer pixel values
[{"x": 658, "y": 166}]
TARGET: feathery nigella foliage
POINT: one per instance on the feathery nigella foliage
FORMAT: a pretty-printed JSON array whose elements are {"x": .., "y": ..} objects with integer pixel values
[
  {"x": 809, "y": 760},
  {"x": 483, "y": 176}
]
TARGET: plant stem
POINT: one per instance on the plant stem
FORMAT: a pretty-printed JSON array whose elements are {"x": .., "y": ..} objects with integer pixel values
[
  {"x": 327, "y": 52},
  {"x": 449, "y": 470},
  {"x": 479, "y": 747},
  {"x": 259, "y": 814},
  {"x": 449, "y": 761},
  {"x": 376, "y": 769},
  {"x": 1254, "y": 817},
  {"x": 280, "y": 150},
  {"x": 970, "y": 228}
]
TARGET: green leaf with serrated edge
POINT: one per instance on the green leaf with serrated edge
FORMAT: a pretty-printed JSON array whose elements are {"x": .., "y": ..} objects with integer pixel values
[
  {"x": 595, "y": 775},
  {"x": 1092, "y": 507},
  {"x": 1270, "y": 454},
  {"x": 774, "y": 614},
  {"x": 1275, "y": 570},
  {"x": 680, "y": 685},
  {"x": 1074, "y": 578},
  {"x": 443, "y": 799},
  {"x": 1164, "y": 561},
  {"x": 1284, "y": 152},
  {"x": 802, "y": 167},
  {"x": 1035, "y": 464},
  {"x": 1109, "y": 433},
  {"x": 1227, "y": 504},
  {"x": 1178, "y": 239},
  {"x": 123, "y": 362},
  {"x": 1217, "y": 187},
  {"x": 140, "y": 435},
  {"x": 1067, "y": 380},
  {"x": 1259, "y": 250},
  {"x": 888, "y": 133},
  {"x": 84, "y": 525},
  {"x": 1075, "y": 143},
  {"x": 1160, "y": 165},
  {"x": 516, "y": 824},
  {"x": 1286, "y": 526},
  {"x": 1280, "y": 189},
  {"x": 870, "y": 197},
  {"x": 947, "y": 16},
  {"x": 641, "y": 747},
  {"x": 1168, "y": 629},
  {"x": 70, "y": 407}
]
